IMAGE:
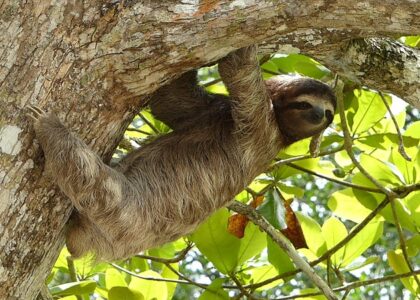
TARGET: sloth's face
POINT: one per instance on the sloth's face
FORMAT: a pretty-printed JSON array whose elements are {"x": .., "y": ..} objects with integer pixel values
[
  {"x": 305, "y": 116},
  {"x": 303, "y": 107}
]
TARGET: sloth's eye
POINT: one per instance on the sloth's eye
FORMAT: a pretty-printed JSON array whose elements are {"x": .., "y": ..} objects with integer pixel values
[{"x": 300, "y": 105}]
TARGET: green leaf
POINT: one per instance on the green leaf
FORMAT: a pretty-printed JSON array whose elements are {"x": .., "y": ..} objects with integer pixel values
[
  {"x": 290, "y": 191},
  {"x": 253, "y": 242},
  {"x": 361, "y": 241},
  {"x": 334, "y": 231},
  {"x": 113, "y": 278},
  {"x": 398, "y": 264},
  {"x": 150, "y": 289},
  {"x": 278, "y": 257},
  {"x": 313, "y": 234},
  {"x": 260, "y": 274},
  {"x": 360, "y": 264},
  {"x": 413, "y": 130},
  {"x": 124, "y": 293},
  {"x": 407, "y": 168},
  {"x": 216, "y": 243},
  {"x": 413, "y": 246},
  {"x": 296, "y": 63},
  {"x": 386, "y": 173},
  {"x": 345, "y": 205},
  {"x": 273, "y": 210},
  {"x": 74, "y": 288},
  {"x": 369, "y": 110},
  {"x": 168, "y": 273},
  {"x": 215, "y": 291},
  {"x": 412, "y": 202}
]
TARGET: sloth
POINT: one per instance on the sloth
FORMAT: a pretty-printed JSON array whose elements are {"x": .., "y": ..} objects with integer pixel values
[{"x": 163, "y": 190}]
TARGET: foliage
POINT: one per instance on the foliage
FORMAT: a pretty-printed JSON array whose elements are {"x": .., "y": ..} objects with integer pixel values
[{"x": 330, "y": 195}]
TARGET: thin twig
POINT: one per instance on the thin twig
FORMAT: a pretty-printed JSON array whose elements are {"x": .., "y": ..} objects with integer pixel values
[
  {"x": 348, "y": 141},
  {"x": 284, "y": 243},
  {"x": 357, "y": 284},
  {"x": 150, "y": 278},
  {"x": 175, "y": 259},
  {"x": 168, "y": 265},
  {"x": 345, "y": 183},
  {"x": 280, "y": 162},
  {"x": 401, "y": 148},
  {"x": 148, "y": 123},
  {"x": 243, "y": 290},
  {"x": 402, "y": 240}
]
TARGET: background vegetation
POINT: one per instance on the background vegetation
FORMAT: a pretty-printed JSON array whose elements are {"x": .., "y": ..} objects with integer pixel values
[{"x": 375, "y": 222}]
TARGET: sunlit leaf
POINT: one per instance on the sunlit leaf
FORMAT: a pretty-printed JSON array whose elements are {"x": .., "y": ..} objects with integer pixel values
[
  {"x": 313, "y": 234},
  {"x": 385, "y": 173},
  {"x": 399, "y": 265},
  {"x": 278, "y": 257},
  {"x": 360, "y": 264},
  {"x": 124, "y": 293},
  {"x": 345, "y": 204},
  {"x": 168, "y": 273},
  {"x": 113, "y": 277},
  {"x": 252, "y": 244},
  {"x": 215, "y": 291},
  {"x": 74, "y": 288},
  {"x": 413, "y": 245},
  {"x": 333, "y": 232},
  {"x": 260, "y": 274},
  {"x": 413, "y": 130},
  {"x": 370, "y": 110},
  {"x": 216, "y": 243},
  {"x": 361, "y": 241},
  {"x": 150, "y": 289}
]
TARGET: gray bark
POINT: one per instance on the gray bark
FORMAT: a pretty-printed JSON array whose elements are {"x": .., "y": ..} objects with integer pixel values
[{"x": 95, "y": 63}]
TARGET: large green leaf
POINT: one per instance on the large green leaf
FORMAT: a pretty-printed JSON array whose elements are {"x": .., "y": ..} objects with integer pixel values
[
  {"x": 223, "y": 249},
  {"x": 313, "y": 234},
  {"x": 345, "y": 204},
  {"x": 361, "y": 241},
  {"x": 74, "y": 288},
  {"x": 150, "y": 289},
  {"x": 253, "y": 242},
  {"x": 215, "y": 291},
  {"x": 216, "y": 243},
  {"x": 399, "y": 265},
  {"x": 168, "y": 273},
  {"x": 113, "y": 278},
  {"x": 369, "y": 110},
  {"x": 413, "y": 130},
  {"x": 384, "y": 172},
  {"x": 296, "y": 63},
  {"x": 273, "y": 210},
  {"x": 124, "y": 293},
  {"x": 360, "y": 264},
  {"x": 262, "y": 273},
  {"x": 278, "y": 257},
  {"x": 333, "y": 232}
]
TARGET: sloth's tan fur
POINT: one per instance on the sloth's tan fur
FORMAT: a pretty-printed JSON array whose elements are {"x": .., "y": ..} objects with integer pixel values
[{"x": 163, "y": 190}]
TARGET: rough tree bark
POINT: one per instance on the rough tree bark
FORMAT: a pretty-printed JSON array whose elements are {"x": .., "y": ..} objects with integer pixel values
[{"x": 94, "y": 63}]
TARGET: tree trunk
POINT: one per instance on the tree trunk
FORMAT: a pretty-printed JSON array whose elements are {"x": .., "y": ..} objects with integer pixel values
[{"x": 94, "y": 64}]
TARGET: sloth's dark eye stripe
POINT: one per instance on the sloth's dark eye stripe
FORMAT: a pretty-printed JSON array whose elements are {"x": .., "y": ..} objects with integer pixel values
[{"x": 299, "y": 105}]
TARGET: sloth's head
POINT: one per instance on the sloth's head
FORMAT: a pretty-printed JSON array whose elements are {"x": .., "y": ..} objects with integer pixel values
[{"x": 303, "y": 106}]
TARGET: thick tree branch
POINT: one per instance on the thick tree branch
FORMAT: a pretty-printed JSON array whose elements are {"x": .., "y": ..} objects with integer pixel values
[{"x": 95, "y": 63}]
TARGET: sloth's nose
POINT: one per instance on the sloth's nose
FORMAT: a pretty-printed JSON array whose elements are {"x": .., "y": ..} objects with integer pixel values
[{"x": 317, "y": 115}]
